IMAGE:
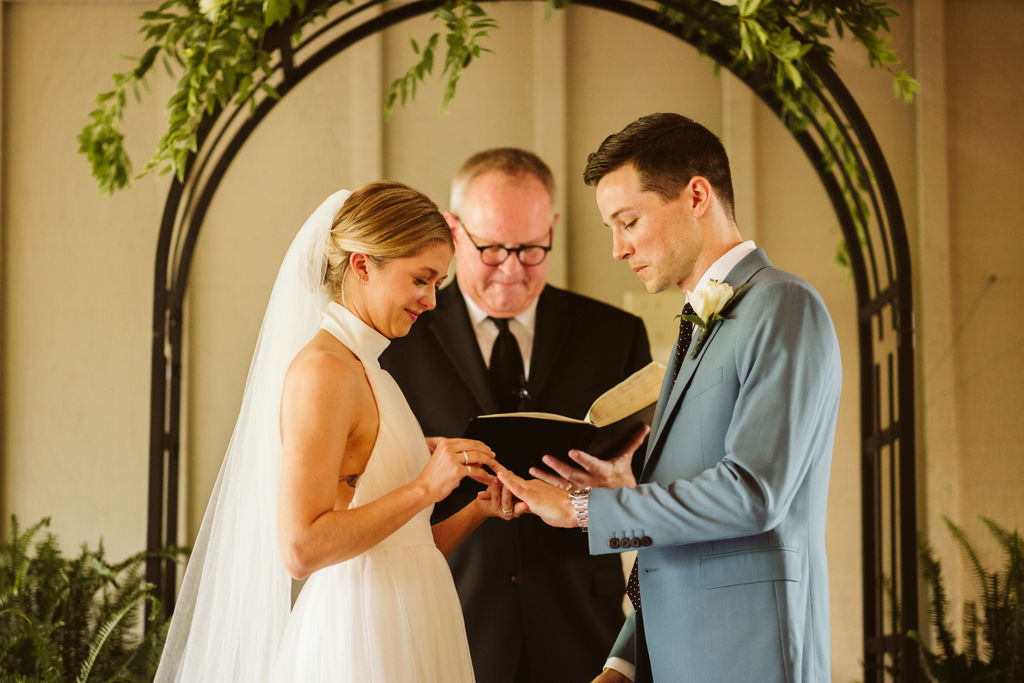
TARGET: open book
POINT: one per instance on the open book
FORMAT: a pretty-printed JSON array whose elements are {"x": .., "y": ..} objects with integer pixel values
[{"x": 521, "y": 439}]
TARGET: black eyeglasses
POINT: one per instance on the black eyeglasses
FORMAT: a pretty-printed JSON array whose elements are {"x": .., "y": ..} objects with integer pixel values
[{"x": 496, "y": 254}]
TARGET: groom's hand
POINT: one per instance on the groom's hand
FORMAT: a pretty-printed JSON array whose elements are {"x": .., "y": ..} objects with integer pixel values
[
  {"x": 595, "y": 472},
  {"x": 611, "y": 676},
  {"x": 547, "y": 502}
]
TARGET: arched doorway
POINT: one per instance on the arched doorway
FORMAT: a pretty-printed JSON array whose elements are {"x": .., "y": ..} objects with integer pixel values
[{"x": 880, "y": 264}]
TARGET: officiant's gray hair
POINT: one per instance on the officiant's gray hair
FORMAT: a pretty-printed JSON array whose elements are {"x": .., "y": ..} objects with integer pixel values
[
  {"x": 509, "y": 160},
  {"x": 385, "y": 221}
]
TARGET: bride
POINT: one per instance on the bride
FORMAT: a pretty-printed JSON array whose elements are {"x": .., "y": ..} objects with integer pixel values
[{"x": 328, "y": 475}]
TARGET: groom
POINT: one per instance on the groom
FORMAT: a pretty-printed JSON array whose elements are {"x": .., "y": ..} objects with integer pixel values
[{"x": 731, "y": 582}]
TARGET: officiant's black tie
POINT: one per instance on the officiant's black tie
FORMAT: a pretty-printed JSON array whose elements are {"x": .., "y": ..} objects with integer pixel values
[
  {"x": 685, "y": 334},
  {"x": 506, "y": 371}
]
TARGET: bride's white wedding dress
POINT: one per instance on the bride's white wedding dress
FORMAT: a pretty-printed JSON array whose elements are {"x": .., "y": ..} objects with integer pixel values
[{"x": 390, "y": 615}]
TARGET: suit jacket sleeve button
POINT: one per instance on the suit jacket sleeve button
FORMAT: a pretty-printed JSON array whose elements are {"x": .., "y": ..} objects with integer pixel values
[
  {"x": 646, "y": 541},
  {"x": 613, "y": 543},
  {"x": 634, "y": 542}
]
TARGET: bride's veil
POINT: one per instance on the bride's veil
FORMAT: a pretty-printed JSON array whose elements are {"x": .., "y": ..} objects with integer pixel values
[{"x": 235, "y": 595}]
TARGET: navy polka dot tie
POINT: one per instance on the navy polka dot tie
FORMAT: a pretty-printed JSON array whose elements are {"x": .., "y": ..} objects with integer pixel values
[
  {"x": 633, "y": 586},
  {"x": 685, "y": 335}
]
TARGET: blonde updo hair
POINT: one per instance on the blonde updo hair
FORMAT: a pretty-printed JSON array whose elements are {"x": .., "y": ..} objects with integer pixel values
[{"x": 385, "y": 221}]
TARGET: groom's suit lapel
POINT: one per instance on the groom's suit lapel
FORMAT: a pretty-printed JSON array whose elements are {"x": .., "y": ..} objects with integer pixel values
[
  {"x": 451, "y": 326},
  {"x": 672, "y": 392}
]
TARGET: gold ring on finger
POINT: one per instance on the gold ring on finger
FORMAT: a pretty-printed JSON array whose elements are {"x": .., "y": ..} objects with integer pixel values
[{"x": 465, "y": 458}]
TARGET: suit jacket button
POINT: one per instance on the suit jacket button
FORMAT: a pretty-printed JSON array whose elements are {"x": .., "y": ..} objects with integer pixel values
[
  {"x": 646, "y": 541},
  {"x": 634, "y": 542},
  {"x": 613, "y": 543}
]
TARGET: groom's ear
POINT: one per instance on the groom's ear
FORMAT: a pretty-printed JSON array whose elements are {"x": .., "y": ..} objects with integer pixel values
[{"x": 699, "y": 194}]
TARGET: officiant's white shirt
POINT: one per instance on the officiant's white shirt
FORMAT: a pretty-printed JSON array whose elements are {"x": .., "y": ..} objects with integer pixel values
[{"x": 523, "y": 327}]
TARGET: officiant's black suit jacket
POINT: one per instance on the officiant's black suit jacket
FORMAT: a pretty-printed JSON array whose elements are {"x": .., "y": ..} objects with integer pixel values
[{"x": 528, "y": 591}]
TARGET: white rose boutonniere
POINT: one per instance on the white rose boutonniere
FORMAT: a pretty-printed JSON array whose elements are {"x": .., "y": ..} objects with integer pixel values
[{"x": 709, "y": 303}]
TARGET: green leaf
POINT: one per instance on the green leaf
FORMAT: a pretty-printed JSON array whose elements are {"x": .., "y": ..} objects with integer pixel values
[
  {"x": 274, "y": 11},
  {"x": 794, "y": 75},
  {"x": 105, "y": 631},
  {"x": 758, "y": 30},
  {"x": 696, "y": 320},
  {"x": 270, "y": 90}
]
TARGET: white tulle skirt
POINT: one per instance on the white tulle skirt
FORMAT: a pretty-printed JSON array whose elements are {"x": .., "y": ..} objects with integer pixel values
[{"x": 389, "y": 616}]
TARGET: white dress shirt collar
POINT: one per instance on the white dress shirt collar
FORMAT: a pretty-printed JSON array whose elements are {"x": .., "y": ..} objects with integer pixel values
[
  {"x": 522, "y": 327},
  {"x": 725, "y": 263},
  {"x": 528, "y": 318}
]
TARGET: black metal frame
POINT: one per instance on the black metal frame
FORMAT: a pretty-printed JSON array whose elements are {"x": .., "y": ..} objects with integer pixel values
[{"x": 879, "y": 255}]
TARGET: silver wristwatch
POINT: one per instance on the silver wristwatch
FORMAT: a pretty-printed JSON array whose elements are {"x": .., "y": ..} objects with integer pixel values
[{"x": 580, "y": 499}]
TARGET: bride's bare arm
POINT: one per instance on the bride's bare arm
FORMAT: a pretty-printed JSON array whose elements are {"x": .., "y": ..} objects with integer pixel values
[
  {"x": 495, "y": 501},
  {"x": 323, "y": 404}
]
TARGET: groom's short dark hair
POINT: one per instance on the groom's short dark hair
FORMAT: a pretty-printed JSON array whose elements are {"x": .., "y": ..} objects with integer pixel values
[{"x": 667, "y": 151}]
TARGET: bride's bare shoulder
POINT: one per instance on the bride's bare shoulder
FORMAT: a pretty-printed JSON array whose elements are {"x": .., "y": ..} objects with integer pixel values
[{"x": 326, "y": 362}]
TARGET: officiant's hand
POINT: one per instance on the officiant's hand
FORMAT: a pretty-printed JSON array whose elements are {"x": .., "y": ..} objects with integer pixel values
[
  {"x": 549, "y": 503},
  {"x": 595, "y": 472}
]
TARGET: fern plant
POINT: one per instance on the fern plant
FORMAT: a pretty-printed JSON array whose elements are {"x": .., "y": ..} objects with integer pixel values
[
  {"x": 993, "y": 632},
  {"x": 74, "y": 619}
]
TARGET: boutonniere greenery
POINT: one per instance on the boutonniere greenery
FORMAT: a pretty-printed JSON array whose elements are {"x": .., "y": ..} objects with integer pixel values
[{"x": 709, "y": 302}]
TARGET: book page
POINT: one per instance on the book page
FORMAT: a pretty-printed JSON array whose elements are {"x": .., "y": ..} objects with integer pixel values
[
  {"x": 535, "y": 416},
  {"x": 628, "y": 396}
]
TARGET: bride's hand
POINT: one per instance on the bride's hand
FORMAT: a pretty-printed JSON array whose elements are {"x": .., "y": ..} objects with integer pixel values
[
  {"x": 451, "y": 460},
  {"x": 497, "y": 501}
]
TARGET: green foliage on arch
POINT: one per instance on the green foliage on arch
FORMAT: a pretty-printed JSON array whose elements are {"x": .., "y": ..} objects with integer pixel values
[{"x": 222, "y": 53}]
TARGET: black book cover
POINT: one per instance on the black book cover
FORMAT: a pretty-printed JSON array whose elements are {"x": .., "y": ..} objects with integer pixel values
[{"x": 520, "y": 440}]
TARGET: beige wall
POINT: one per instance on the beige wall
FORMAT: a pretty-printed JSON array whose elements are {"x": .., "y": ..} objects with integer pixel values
[
  {"x": 76, "y": 268},
  {"x": 77, "y": 272},
  {"x": 983, "y": 352}
]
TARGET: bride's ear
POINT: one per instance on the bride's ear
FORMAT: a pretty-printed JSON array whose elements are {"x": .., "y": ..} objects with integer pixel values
[{"x": 359, "y": 265}]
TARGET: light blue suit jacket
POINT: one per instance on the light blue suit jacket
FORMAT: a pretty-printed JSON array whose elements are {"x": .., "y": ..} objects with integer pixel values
[{"x": 731, "y": 504}]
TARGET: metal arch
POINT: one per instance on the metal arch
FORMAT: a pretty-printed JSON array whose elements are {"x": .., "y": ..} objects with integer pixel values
[{"x": 886, "y": 364}]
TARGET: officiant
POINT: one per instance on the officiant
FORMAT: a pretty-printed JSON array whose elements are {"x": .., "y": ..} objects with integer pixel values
[{"x": 538, "y": 607}]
